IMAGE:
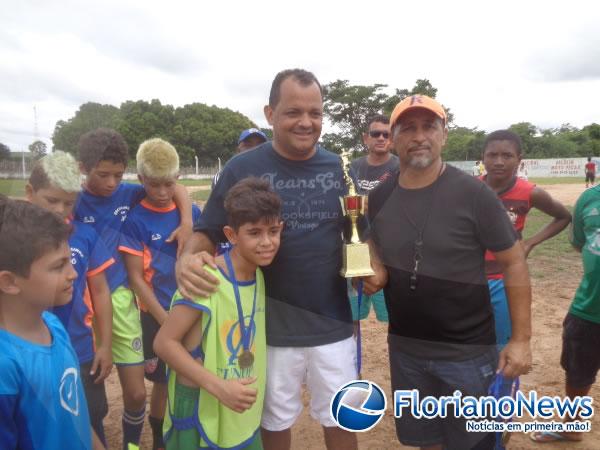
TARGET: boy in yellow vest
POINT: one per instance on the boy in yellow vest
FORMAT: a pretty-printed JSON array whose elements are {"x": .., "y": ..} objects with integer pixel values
[{"x": 215, "y": 347}]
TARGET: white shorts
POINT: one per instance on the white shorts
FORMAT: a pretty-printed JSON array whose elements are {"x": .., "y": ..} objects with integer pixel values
[{"x": 323, "y": 368}]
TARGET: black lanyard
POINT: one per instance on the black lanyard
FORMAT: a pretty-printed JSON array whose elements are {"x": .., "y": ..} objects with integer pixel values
[{"x": 418, "y": 243}]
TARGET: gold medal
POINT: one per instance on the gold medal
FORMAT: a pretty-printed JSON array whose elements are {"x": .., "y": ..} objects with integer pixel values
[{"x": 246, "y": 359}]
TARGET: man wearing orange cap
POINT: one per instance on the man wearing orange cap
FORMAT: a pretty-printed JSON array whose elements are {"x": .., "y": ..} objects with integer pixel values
[{"x": 430, "y": 225}]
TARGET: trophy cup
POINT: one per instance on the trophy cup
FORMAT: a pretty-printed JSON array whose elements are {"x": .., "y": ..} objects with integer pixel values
[{"x": 356, "y": 260}]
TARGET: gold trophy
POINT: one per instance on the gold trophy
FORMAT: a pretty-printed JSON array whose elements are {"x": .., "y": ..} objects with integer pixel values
[{"x": 356, "y": 260}]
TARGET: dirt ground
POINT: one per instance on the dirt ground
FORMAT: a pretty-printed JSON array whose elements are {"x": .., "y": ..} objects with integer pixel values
[{"x": 554, "y": 282}]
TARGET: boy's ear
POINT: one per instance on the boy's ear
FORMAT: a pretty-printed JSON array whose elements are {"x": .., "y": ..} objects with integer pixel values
[
  {"x": 28, "y": 191},
  {"x": 82, "y": 168},
  {"x": 8, "y": 283},
  {"x": 230, "y": 234}
]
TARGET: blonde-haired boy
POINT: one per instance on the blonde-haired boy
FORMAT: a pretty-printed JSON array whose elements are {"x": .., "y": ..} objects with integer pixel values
[
  {"x": 150, "y": 260},
  {"x": 157, "y": 158},
  {"x": 53, "y": 185}
]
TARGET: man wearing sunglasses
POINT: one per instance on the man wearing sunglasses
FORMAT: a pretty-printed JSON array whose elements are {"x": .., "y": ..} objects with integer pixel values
[
  {"x": 379, "y": 163},
  {"x": 370, "y": 170}
]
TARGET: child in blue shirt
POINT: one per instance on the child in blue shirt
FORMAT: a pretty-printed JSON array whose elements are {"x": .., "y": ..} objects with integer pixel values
[
  {"x": 53, "y": 185},
  {"x": 42, "y": 403},
  {"x": 150, "y": 260}
]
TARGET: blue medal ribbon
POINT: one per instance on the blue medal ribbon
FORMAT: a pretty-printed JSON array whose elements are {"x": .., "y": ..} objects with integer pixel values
[
  {"x": 245, "y": 331},
  {"x": 503, "y": 387},
  {"x": 359, "y": 289}
]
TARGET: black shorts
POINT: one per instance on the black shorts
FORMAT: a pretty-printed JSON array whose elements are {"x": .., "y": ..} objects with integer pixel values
[
  {"x": 155, "y": 369},
  {"x": 580, "y": 356},
  {"x": 95, "y": 394},
  {"x": 589, "y": 176}
]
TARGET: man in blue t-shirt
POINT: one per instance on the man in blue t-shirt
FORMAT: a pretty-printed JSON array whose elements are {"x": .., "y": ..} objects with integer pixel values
[{"x": 309, "y": 324}]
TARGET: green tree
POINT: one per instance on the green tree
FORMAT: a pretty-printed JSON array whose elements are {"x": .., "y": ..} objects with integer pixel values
[
  {"x": 142, "y": 120},
  {"x": 212, "y": 132},
  {"x": 89, "y": 117},
  {"x": 464, "y": 144},
  {"x": 4, "y": 151},
  {"x": 37, "y": 149},
  {"x": 348, "y": 108},
  {"x": 527, "y": 132}
]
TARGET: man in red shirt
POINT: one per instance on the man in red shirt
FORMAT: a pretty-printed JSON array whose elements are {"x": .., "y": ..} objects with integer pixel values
[{"x": 590, "y": 172}]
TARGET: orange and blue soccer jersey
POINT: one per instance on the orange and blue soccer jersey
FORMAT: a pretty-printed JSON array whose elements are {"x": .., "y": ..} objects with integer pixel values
[
  {"x": 144, "y": 234},
  {"x": 89, "y": 257},
  {"x": 107, "y": 215}
]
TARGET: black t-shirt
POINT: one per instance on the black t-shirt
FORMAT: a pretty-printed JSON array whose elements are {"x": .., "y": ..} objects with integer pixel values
[
  {"x": 449, "y": 314},
  {"x": 307, "y": 300},
  {"x": 369, "y": 177}
]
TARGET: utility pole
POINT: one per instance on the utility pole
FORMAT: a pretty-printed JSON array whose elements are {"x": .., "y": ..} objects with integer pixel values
[{"x": 36, "y": 133}]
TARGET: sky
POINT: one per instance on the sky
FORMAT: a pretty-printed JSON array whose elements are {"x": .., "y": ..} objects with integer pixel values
[{"x": 493, "y": 63}]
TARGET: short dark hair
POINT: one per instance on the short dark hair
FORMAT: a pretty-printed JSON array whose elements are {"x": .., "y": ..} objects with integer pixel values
[
  {"x": 380, "y": 118},
  {"x": 251, "y": 200},
  {"x": 102, "y": 144},
  {"x": 504, "y": 135},
  {"x": 304, "y": 77},
  {"x": 27, "y": 232},
  {"x": 589, "y": 158}
]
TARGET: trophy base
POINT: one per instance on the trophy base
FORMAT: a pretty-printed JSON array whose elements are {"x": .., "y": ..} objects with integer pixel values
[{"x": 356, "y": 261}]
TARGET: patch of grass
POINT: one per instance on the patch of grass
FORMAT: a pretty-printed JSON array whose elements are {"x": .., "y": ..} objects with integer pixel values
[
  {"x": 13, "y": 187},
  {"x": 200, "y": 196},
  {"x": 555, "y": 247},
  {"x": 558, "y": 180},
  {"x": 549, "y": 259},
  {"x": 190, "y": 182}
]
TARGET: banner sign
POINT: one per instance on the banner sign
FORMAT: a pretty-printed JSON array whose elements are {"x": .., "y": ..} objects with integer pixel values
[{"x": 562, "y": 167}]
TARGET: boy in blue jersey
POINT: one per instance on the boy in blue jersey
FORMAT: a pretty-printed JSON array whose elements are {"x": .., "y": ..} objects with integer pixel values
[
  {"x": 53, "y": 185},
  {"x": 105, "y": 203},
  {"x": 42, "y": 404},
  {"x": 150, "y": 260}
]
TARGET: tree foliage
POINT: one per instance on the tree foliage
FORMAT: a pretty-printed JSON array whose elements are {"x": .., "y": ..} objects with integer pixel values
[
  {"x": 89, "y": 117},
  {"x": 565, "y": 141},
  {"x": 37, "y": 149},
  {"x": 210, "y": 132},
  {"x": 4, "y": 151},
  {"x": 207, "y": 132},
  {"x": 349, "y": 107}
]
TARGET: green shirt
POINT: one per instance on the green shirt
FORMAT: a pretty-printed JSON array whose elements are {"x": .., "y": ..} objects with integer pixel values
[
  {"x": 221, "y": 345},
  {"x": 585, "y": 234}
]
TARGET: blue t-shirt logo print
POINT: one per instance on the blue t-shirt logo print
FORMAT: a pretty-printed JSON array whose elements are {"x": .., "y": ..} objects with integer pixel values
[{"x": 69, "y": 396}]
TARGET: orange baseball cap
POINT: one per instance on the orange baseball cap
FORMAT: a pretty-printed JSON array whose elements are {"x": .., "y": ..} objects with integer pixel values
[{"x": 417, "y": 101}]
